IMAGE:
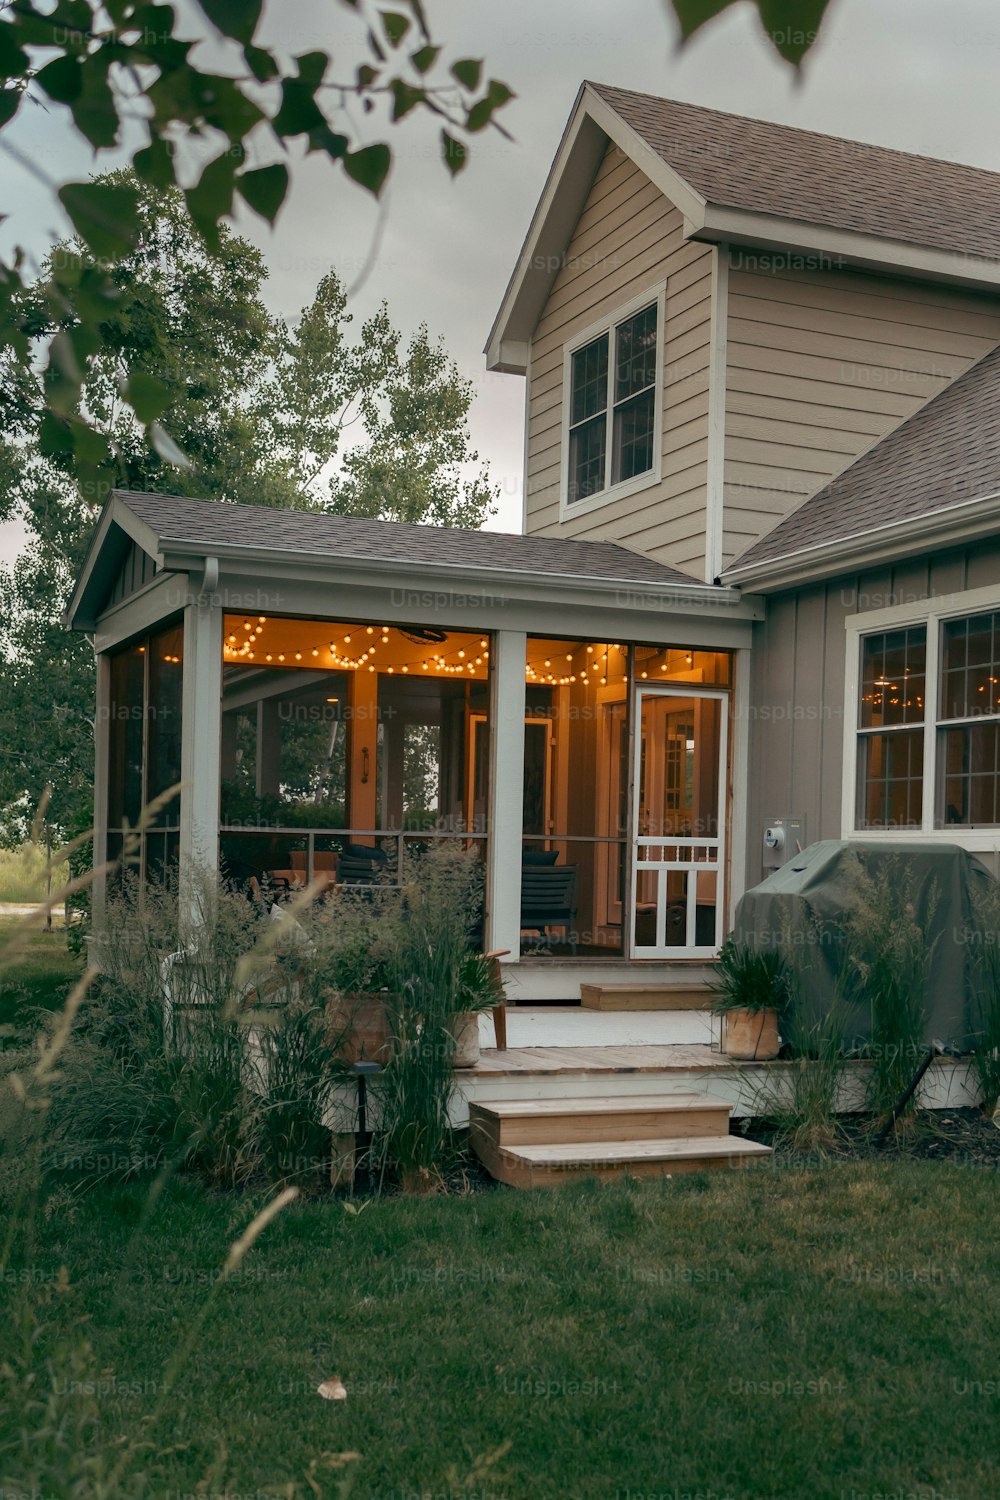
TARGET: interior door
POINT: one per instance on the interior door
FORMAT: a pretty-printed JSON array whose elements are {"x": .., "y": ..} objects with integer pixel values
[{"x": 679, "y": 822}]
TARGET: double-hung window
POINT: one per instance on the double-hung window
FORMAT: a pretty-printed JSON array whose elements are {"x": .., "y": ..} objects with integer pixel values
[
  {"x": 927, "y": 725},
  {"x": 613, "y": 376}
]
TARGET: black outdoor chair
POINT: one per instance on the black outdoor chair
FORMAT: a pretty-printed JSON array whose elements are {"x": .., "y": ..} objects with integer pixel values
[
  {"x": 364, "y": 864},
  {"x": 548, "y": 898}
]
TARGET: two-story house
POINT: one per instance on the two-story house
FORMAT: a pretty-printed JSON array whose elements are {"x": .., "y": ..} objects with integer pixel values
[{"x": 758, "y": 580}]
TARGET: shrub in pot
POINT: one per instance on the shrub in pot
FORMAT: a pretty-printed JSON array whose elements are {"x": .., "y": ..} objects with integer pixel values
[
  {"x": 751, "y": 989},
  {"x": 478, "y": 989}
]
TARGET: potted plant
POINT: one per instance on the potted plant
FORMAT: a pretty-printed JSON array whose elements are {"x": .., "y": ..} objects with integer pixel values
[
  {"x": 751, "y": 989},
  {"x": 479, "y": 988},
  {"x": 356, "y": 973}
]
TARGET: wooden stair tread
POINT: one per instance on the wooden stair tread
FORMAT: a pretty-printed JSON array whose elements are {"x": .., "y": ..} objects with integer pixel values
[
  {"x": 694, "y": 995},
  {"x": 598, "y": 1153},
  {"x": 516, "y": 1109}
]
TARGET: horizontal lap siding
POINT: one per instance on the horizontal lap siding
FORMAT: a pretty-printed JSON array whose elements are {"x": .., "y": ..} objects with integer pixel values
[
  {"x": 797, "y": 701},
  {"x": 629, "y": 239},
  {"x": 821, "y": 365}
]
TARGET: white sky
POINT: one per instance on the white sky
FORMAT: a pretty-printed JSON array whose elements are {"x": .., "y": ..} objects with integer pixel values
[{"x": 915, "y": 74}]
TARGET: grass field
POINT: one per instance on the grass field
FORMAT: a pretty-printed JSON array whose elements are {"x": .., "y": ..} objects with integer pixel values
[
  {"x": 772, "y": 1335},
  {"x": 41, "y": 975},
  {"x": 23, "y": 874}
]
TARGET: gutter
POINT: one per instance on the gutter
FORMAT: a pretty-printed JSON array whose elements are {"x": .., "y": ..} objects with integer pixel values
[
  {"x": 968, "y": 520},
  {"x": 182, "y": 556}
]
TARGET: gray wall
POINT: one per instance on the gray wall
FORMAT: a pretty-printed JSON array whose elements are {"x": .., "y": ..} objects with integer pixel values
[{"x": 797, "y": 694}]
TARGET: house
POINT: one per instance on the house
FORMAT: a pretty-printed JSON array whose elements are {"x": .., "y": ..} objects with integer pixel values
[{"x": 758, "y": 585}]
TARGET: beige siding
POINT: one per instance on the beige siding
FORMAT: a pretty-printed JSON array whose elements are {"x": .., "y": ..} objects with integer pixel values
[
  {"x": 821, "y": 364},
  {"x": 629, "y": 240},
  {"x": 798, "y": 685}
]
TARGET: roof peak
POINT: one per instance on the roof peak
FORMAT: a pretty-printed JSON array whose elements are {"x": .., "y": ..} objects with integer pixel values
[{"x": 606, "y": 89}]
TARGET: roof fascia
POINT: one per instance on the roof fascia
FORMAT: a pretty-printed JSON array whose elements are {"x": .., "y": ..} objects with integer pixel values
[
  {"x": 281, "y": 562},
  {"x": 591, "y": 125},
  {"x": 769, "y": 231},
  {"x": 970, "y": 520},
  {"x": 103, "y": 559}
]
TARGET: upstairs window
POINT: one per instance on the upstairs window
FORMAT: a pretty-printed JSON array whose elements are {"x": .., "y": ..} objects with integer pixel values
[{"x": 612, "y": 406}]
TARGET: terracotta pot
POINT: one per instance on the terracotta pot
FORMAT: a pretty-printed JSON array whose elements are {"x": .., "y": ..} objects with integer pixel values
[
  {"x": 752, "y": 1035},
  {"x": 464, "y": 1027},
  {"x": 359, "y": 1028}
]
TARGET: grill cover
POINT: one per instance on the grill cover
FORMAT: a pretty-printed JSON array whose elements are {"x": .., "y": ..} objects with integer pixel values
[{"x": 800, "y": 910}]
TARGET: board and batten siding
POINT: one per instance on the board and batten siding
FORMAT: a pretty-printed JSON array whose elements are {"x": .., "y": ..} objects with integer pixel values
[
  {"x": 628, "y": 239},
  {"x": 821, "y": 364},
  {"x": 798, "y": 675}
]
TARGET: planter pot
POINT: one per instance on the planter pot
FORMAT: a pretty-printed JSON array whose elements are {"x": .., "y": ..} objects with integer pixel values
[
  {"x": 751, "y": 1035},
  {"x": 464, "y": 1027},
  {"x": 359, "y": 1027}
]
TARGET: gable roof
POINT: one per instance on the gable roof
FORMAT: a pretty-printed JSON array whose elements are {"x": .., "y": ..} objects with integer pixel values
[
  {"x": 752, "y": 182},
  {"x": 736, "y": 162},
  {"x": 178, "y": 530},
  {"x": 937, "y": 474}
]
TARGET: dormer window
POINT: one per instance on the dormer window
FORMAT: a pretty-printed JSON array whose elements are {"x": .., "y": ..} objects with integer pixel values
[{"x": 613, "y": 378}]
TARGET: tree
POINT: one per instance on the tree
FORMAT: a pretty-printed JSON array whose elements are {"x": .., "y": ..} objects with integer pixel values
[
  {"x": 109, "y": 63},
  {"x": 112, "y": 63},
  {"x": 261, "y": 410}
]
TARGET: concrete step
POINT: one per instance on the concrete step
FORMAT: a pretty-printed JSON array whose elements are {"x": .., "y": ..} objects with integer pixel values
[
  {"x": 517, "y": 1122},
  {"x": 552, "y": 1165}
]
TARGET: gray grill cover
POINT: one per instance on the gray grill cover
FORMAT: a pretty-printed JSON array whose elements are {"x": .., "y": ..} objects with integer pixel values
[{"x": 810, "y": 894}]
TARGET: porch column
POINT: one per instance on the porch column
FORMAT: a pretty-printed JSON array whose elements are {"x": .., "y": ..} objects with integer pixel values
[
  {"x": 201, "y": 731},
  {"x": 362, "y": 751},
  {"x": 102, "y": 737},
  {"x": 268, "y": 747},
  {"x": 503, "y": 874}
]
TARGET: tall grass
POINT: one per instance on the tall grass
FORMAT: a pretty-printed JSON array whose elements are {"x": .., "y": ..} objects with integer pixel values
[
  {"x": 984, "y": 1006},
  {"x": 56, "y": 1439},
  {"x": 889, "y": 949},
  {"x": 443, "y": 896},
  {"x": 24, "y": 874}
]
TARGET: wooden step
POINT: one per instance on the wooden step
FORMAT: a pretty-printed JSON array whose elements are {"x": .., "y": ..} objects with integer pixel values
[
  {"x": 552, "y": 1165},
  {"x": 516, "y": 1122},
  {"x": 646, "y": 996}
]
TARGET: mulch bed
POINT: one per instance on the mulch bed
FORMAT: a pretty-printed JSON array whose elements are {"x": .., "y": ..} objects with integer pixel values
[{"x": 960, "y": 1137}]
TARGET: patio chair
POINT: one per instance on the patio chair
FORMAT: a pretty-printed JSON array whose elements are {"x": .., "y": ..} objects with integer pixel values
[
  {"x": 364, "y": 864},
  {"x": 548, "y": 898}
]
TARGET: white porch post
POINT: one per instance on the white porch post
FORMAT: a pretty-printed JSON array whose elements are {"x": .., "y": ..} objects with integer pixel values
[
  {"x": 506, "y": 791},
  {"x": 201, "y": 728},
  {"x": 102, "y": 735},
  {"x": 740, "y": 781}
]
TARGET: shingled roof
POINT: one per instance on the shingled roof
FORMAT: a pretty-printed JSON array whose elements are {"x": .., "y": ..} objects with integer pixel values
[
  {"x": 735, "y": 162},
  {"x": 947, "y": 453},
  {"x": 210, "y": 524}
]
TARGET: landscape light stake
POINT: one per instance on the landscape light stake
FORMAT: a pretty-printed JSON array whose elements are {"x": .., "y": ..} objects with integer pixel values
[{"x": 936, "y": 1049}]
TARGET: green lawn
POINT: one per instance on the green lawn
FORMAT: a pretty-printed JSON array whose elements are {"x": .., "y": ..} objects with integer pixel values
[
  {"x": 42, "y": 974},
  {"x": 780, "y": 1334}
]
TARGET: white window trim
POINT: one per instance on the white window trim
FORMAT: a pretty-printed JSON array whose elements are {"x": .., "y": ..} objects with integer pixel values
[
  {"x": 931, "y": 612},
  {"x": 569, "y": 509}
]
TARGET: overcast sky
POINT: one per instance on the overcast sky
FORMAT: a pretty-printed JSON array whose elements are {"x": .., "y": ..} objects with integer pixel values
[{"x": 919, "y": 75}]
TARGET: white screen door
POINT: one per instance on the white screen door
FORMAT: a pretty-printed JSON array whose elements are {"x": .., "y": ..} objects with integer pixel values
[{"x": 679, "y": 822}]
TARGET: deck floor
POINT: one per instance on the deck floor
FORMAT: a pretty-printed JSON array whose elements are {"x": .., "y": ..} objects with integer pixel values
[{"x": 647, "y": 1059}]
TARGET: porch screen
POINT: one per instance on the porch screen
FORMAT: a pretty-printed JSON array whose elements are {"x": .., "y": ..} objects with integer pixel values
[
  {"x": 349, "y": 739},
  {"x": 575, "y": 791},
  {"x": 144, "y": 747}
]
